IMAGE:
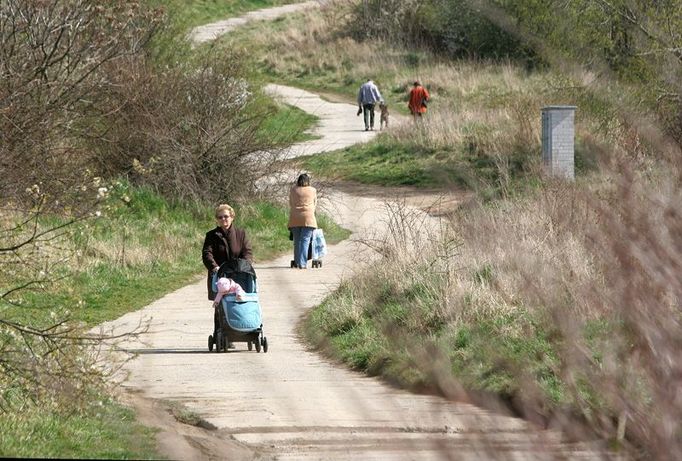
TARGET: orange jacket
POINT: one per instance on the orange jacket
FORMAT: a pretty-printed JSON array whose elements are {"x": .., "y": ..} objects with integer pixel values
[{"x": 417, "y": 95}]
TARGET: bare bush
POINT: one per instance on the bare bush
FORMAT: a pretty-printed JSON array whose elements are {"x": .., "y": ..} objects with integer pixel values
[
  {"x": 52, "y": 56},
  {"x": 56, "y": 65},
  {"x": 192, "y": 133}
]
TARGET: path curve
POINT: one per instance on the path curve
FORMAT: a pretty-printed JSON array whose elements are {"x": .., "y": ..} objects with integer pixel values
[
  {"x": 290, "y": 403},
  {"x": 210, "y": 32},
  {"x": 338, "y": 125}
]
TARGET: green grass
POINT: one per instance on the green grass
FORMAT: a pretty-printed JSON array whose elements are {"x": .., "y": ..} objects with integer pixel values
[
  {"x": 287, "y": 125},
  {"x": 388, "y": 328},
  {"x": 376, "y": 163},
  {"x": 153, "y": 247},
  {"x": 106, "y": 431},
  {"x": 388, "y": 163},
  {"x": 193, "y": 13}
]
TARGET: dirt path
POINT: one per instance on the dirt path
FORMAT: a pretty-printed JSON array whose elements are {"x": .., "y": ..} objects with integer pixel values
[{"x": 290, "y": 403}]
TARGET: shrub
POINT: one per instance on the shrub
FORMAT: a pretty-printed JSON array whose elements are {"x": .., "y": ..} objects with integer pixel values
[
  {"x": 451, "y": 27},
  {"x": 54, "y": 85},
  {"x": 189, "y": 131}
]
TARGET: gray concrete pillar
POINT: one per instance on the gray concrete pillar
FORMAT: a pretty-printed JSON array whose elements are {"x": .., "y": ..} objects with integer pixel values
[{"x": 558, "y": 140}]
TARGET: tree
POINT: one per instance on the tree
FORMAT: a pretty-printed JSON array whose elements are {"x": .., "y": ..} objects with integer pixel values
[{"x": 53, "y": 57}]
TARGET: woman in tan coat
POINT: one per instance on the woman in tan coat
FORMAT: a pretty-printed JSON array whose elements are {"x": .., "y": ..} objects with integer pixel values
[{"x": 302, "y": 222}]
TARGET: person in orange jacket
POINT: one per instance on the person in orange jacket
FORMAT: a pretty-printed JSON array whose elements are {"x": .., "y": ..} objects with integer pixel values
[{"x": 419, "y": 96}]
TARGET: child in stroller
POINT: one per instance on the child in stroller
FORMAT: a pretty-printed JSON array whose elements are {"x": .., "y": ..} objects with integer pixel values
[
  {"x": 226, "y": 286},
  {"x": 237, "y": 320}
]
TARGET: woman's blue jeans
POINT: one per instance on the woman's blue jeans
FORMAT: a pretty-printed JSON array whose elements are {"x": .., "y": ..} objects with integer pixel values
[{"x": 302, "y": 238}]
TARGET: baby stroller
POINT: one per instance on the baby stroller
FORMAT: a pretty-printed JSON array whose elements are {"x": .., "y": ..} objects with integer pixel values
[
  {"x": 238, "y": 321},
  {"x": 316, "y": 250}
]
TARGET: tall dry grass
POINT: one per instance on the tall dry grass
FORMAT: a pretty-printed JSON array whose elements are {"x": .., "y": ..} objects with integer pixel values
[
  {"x": 594, "y": 266},
  {"x": 590, "y": 269}
]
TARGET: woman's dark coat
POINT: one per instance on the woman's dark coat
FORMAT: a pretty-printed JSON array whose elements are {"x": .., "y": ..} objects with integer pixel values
[{"x": 220, "y": 246}]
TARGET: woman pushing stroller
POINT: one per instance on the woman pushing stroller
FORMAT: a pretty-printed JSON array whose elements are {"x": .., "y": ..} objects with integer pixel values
[
  {"x": 302, "y": 222},
  {"x": 225, "y": 242}
]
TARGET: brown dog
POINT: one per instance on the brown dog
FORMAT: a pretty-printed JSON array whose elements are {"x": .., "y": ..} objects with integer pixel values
[{"x": 384, "y": 115}]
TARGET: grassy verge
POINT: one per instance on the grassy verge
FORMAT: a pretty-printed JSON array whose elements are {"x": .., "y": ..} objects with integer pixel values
[
  {"x": 390, "y": 162},
  {"x": 106, "y": 430},
  {"x": 386, "y": 332},
  {"x": 287, "y": 125},
  {"x": 523, "y": 304}
]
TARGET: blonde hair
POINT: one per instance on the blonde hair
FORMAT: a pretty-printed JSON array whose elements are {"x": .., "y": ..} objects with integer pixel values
[{"x": 224, "y": 207}]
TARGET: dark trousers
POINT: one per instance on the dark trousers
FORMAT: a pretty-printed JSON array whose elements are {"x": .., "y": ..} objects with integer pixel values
[{"x": 368, "y": 112}]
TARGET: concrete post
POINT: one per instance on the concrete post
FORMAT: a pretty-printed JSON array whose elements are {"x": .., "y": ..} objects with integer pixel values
[{"x": 558, "y": 140}]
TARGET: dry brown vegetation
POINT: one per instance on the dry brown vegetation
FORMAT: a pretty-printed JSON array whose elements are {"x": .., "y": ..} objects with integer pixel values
[{"x": 581, "y": 281}]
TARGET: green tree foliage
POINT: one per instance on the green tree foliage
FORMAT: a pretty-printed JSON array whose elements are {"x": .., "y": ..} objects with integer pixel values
[
  {"x": 638, "y": 42},
  {"x": 452, "y": 27}
]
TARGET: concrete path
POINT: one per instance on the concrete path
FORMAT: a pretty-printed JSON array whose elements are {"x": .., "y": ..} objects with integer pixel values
[
  {"x": 290, "y": 403},
  {"x": 210, "y": 32},
  {"x": 338, "y": 127}
]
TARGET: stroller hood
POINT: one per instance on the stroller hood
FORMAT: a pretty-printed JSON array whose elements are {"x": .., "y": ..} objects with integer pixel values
[
  {"x": 236, "y": 266},
  {"x": 239, "y": 270}
]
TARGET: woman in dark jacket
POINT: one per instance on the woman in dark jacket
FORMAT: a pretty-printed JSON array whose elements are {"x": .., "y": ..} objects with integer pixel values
[
  {"x": 221, "y": 244},
  {"x": 224, "y": 242}
]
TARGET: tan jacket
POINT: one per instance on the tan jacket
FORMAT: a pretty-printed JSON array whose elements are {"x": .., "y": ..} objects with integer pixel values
[{"x": 302, "y": 203}]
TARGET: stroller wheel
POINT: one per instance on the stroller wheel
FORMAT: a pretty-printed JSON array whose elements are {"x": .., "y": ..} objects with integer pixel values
[
  {"x": 293, "y": 264},
  {"x": 250, "y": 345},
  {"x": 264, "y": 341},
  {"x": 210, "y": 343},
  {"x": 257, "y": 342}
]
